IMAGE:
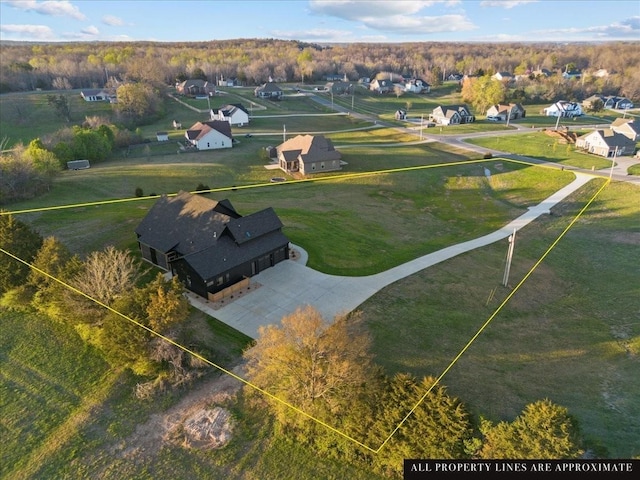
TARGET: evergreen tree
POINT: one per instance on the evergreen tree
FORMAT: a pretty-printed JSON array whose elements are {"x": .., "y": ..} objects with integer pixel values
[
  {"x": 18, "y": 239},
  {"x": 543, "y": 430}
]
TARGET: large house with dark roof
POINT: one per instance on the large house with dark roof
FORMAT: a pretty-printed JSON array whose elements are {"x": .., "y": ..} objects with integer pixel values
[
  {"x": 233, "y": 113},
  {"x": 308, "y": 154},
  {"x": 207, "y": 244}
]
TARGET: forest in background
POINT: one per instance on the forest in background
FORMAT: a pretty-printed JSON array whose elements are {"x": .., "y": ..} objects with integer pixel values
[{"x": 29, "y": 66}]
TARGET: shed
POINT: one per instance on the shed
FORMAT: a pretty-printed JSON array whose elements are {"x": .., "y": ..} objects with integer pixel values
[
  {"x": 78, "y": 164},
  {"x": 162, "y": 136}
]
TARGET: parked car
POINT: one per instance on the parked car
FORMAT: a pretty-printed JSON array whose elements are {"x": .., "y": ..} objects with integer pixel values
[{"x": 493, "y": 118}]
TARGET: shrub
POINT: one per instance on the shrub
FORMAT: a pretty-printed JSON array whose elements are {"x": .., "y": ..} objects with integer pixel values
[
  {"x": 139, "y": 192},
  {"x": 488, "y": 155}
]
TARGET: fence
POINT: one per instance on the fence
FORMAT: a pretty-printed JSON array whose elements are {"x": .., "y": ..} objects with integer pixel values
[{"x": 229, "y": 291}]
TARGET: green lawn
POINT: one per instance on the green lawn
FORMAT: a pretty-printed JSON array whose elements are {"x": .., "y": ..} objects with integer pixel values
[
  {"x": 544, "y": 147},
  {"x": 569, "y": 334},
  {"x": 25, "y": 116}
]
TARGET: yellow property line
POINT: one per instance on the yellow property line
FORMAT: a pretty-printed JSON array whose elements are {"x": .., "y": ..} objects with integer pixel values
[
  {"x": 289, "y": 405},
  {"x": 269, "y": 184}
]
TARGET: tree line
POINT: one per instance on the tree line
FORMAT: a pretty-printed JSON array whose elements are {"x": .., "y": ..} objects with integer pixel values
[
  {"x": 28, "y": 66},
  {"x": 92, "y": 295}
]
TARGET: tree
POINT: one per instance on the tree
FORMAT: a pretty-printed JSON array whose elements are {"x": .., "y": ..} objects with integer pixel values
[
  {"x": 20, "y": 240},
  {"x": 60, "y": 104},
  {"x": 543, "y": 430},
  {"x": 483, "y": 92},
  {"x": 50, "y": 295},
  {"x": 107, "y": 275},
  {"x": 136, "y": 101},
  {"x": 167, "y": 305},
  {"x": 398, "y": 90},
  {"x": 439, "y": 427},
  {"x": 318, "y": 367},
  {"x": 123, "y": 342}
]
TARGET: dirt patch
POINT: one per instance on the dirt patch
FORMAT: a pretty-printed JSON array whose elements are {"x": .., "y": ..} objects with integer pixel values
[{"x": 199, "y": 420}]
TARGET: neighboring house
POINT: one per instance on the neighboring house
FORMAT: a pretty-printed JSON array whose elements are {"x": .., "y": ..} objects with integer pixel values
[
  {"x": 417, "y": 85},
  {"x": 627, "y": 127},
  {"x": 233, "y": 113},
  {"x": 196, "y": 87},
  {"x": 269, "y": 90},
  {"x": 95, "y": 95},
  {"x": 568, "y": 74},
  {"x": 210, "y": 135},
  {"x": 455, "y": 77},
  {"x": 589, "y": 102},
  {"x": 502, "y": 110},
  {"x": 606, "y": 143},
  {"x": 563, "y": 109},
  {"x": 338, "y": 87},
  {"x": 228, "y": 82},
  {"x": 613, "y": 101},
  {"x": 162, "y": 136},
  {"x": 401, "y": 114},
  {"x": 207, "y": 244},
  {"x": 451, "y": 115},
  {"x": 608, "y": 101},
  {"x": 542, "y": 72},
  {"x": 335, "y": 77},
  {"x": 308, "y": 154},
  {"x": 383, "y": 85},
  {"x": 502, "y": 77}
]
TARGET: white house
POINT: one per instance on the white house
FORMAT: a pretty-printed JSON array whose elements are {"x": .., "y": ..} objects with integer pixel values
[
  {"x": 211, "y": 135},
  {"x": 417, "y": 85},
  {"x": 234, "y": 113},
  {"x": 563, "y": 109},
  {"x": 95, "y": 95}
]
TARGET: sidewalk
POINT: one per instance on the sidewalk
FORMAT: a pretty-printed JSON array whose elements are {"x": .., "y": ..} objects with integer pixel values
[{"x": 291, "y": 284}]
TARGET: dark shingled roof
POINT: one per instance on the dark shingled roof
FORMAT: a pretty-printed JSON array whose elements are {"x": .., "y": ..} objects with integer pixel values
[{"x": 211, "y": 236}]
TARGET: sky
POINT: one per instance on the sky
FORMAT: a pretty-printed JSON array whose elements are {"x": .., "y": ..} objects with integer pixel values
[{"x": 321, "y": 21}]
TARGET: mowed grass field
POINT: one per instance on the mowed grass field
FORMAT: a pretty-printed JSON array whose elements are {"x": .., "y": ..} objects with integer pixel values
[{"x": 570, "y": 333}]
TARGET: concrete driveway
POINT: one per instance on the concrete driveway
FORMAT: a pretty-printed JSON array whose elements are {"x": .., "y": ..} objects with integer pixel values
[{"x": 280, "y": 290}]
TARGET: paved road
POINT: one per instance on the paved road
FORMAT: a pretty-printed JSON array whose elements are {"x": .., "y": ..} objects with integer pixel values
[{"x": 290, "y": 284}]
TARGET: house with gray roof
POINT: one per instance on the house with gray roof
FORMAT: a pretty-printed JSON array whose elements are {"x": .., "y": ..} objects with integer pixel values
[
  {"x": 207, "y": 244},
  {"x": 308, "y": 154},
  {"x": 196, "y": 87},
  {"x": 451, "y": 115},
  {"x": 606, "y": 143},
  {"x": 269, "y": 90}
]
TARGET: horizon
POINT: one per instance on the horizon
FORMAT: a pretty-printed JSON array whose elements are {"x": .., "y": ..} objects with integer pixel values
[{"x": 321, "y": 22}]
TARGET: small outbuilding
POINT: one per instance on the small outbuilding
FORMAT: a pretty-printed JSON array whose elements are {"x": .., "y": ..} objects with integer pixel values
[
  {"x": 162, "y": 136},
  {"x": 78, "y": 164}
]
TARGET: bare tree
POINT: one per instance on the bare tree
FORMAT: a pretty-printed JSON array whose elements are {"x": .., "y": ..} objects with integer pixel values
[{"x": 108, "y": 274}]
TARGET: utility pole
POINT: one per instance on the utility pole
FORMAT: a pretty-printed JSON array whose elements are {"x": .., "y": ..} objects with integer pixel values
[
  {"x": 507, "y": 269},
  {"x": 284, "y": 133},
  {"x": 613, "y": 162}
]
